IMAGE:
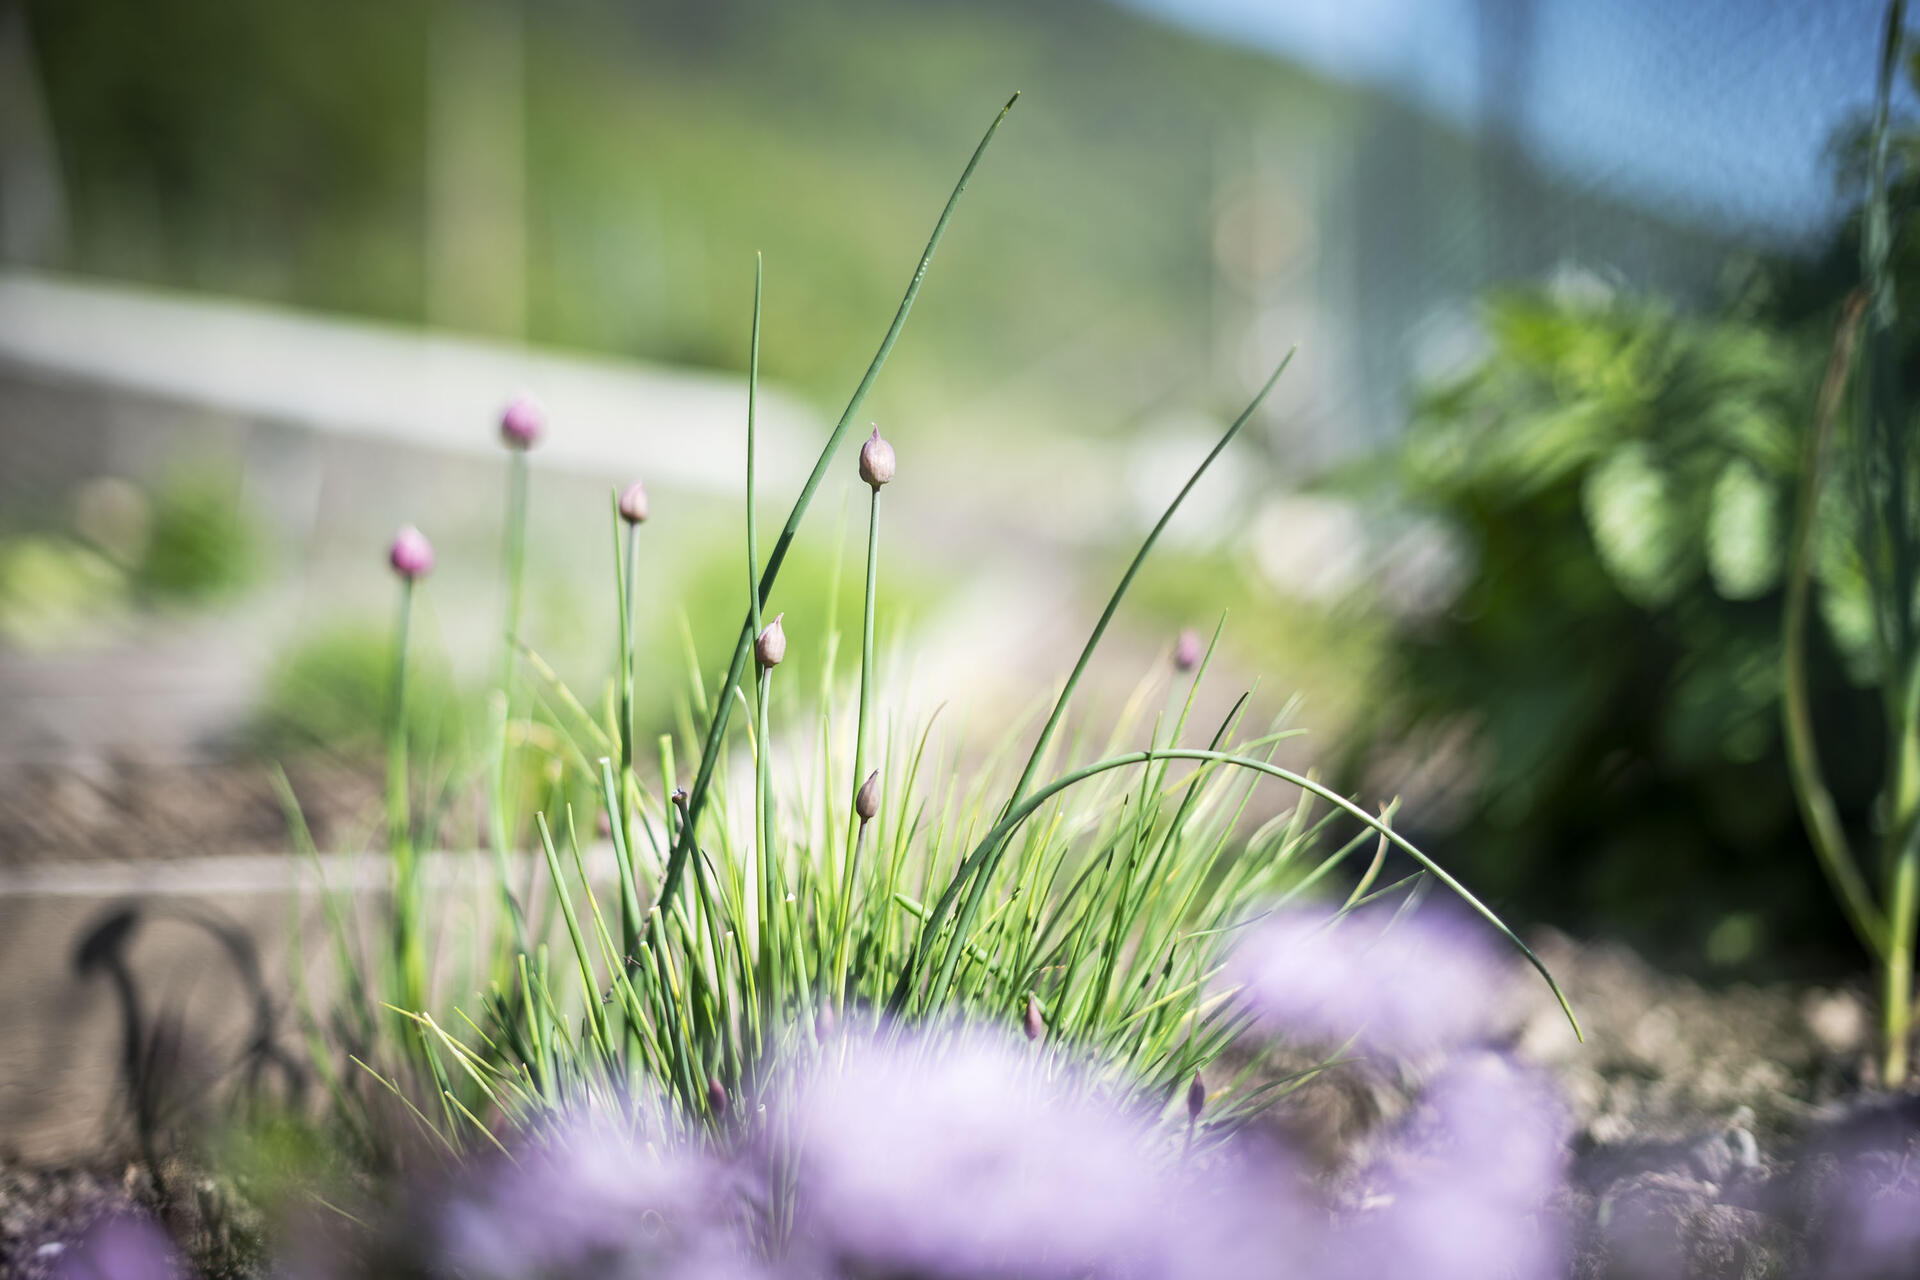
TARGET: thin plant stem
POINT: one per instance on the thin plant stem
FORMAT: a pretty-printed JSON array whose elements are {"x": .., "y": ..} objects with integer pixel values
[
  {"x": 409, "y": 954},
  {"x": 856, "y": 829},
  {"x": 499, "y": 810},
  {"x": 628, "y": 655}
]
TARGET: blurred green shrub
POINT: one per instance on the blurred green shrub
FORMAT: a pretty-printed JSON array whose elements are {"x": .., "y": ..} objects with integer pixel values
[
  {"x": 201, "y": 543},
  {"x": 50, "y": 587},
  {"x": 331, "y": 689},
  {"x": 1621, "y": 477}
]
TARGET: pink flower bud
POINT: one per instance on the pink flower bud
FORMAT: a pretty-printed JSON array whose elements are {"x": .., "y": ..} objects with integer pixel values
[
  {"x": 411, "y": 554},
  {"x": 1196, "y": 1097},
  {"x": 1036, "y": 1025},
  {"x": 717, "y": 1096},
  {"x": 522, "y": 423},
  {"x": 1188, "y": 650},
  {"x": 876, "y": 461},
  {"x": 633, "y": 503},
  {"x": 866, "y": 801},
  {"x": 771, "y": 647}
]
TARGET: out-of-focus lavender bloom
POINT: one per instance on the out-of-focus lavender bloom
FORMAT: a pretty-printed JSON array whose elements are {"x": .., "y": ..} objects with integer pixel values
[
  {"x": 970, "y": 1157},
  {"x": 1188, "y": 650},
  {"x": 522, "y": 423},
  {"x": 1874, "y": 1233},
  {"x": 411, "y": 554},
  {"x": 123, "y": 1247},
  {"x": 1424, "y": 982},
  {"x": 589, "y": 1198},
  {"x": 1463, "y": 1193},
  {"x": 1865, "y": 1198}
]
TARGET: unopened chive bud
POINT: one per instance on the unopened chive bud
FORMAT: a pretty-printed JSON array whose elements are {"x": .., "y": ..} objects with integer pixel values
[
  {"x": 633, "y": 503},
  {"x": 866, "y": 801},
  {"x": 1036, "y": 1025},
  {"x": 522, "y": 423},
  {"x": 717, "y": 1096},
  {"x": 771, "y": 647},
  {"x": 1187, "y": 650},
  {"x": 411, "y": 554},
  {"x": 679, "y": 797},
  {"x": 876, "y": 461},
  {"x": 1196, "y": 1097}
]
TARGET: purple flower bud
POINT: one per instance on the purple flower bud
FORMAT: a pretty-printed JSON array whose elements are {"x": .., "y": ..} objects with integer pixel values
[
  {"x": 1196, "y": 1097},
  {"x": 1036, "y": 1025},
  {"x": 633, "y": 503},
  {"x": 411, "y": 554},
  {"x": 717, "y": 1096},
  {"x": 679, "y": 797},
  {"x": 1188, "y": 650},
  {"x": 866, "y": 801},
  {"x": 876, "y": 461},
  {"x": 522, "y": 423},
  {"x": 771, "y": 647}
]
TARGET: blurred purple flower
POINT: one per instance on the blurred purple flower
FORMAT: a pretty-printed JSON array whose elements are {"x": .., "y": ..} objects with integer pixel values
[
  {"x": 967, "y": 1155},
  {"x": 122, "y": 1247},
  {"x": 1874, "y": 1233},
  {"x": 1865, "y": 1201},
  {"x": 522, "y": 423},
  {"x": 411, "y": 554},
  {"x": 590, "y": 1198},
  {"x": 1422, "y": 982},
  {"x": 1464, "y": 1191}
]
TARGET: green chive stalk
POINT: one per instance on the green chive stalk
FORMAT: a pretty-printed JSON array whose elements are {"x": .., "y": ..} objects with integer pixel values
[
  {"x": 877, "y": 470},
  {"x": 1885, "y": 469},
  {"x": 411, "y": 557},
  {"x": 520, "y": 427}
]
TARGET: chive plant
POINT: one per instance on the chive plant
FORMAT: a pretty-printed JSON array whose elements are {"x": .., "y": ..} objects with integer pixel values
[
  {"x": 1089, "y": 895},
  {"x": 1881, "y": 458}
]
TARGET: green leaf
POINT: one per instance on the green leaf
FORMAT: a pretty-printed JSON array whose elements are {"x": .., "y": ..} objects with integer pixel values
[{"x": 1743, "y": 533}]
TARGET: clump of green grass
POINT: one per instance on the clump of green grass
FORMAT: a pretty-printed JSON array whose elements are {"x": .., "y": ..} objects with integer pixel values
[{"x": 771, "y": 871}]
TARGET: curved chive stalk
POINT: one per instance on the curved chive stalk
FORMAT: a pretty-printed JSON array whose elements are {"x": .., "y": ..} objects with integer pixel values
[{"x": 723, "y": 703}]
